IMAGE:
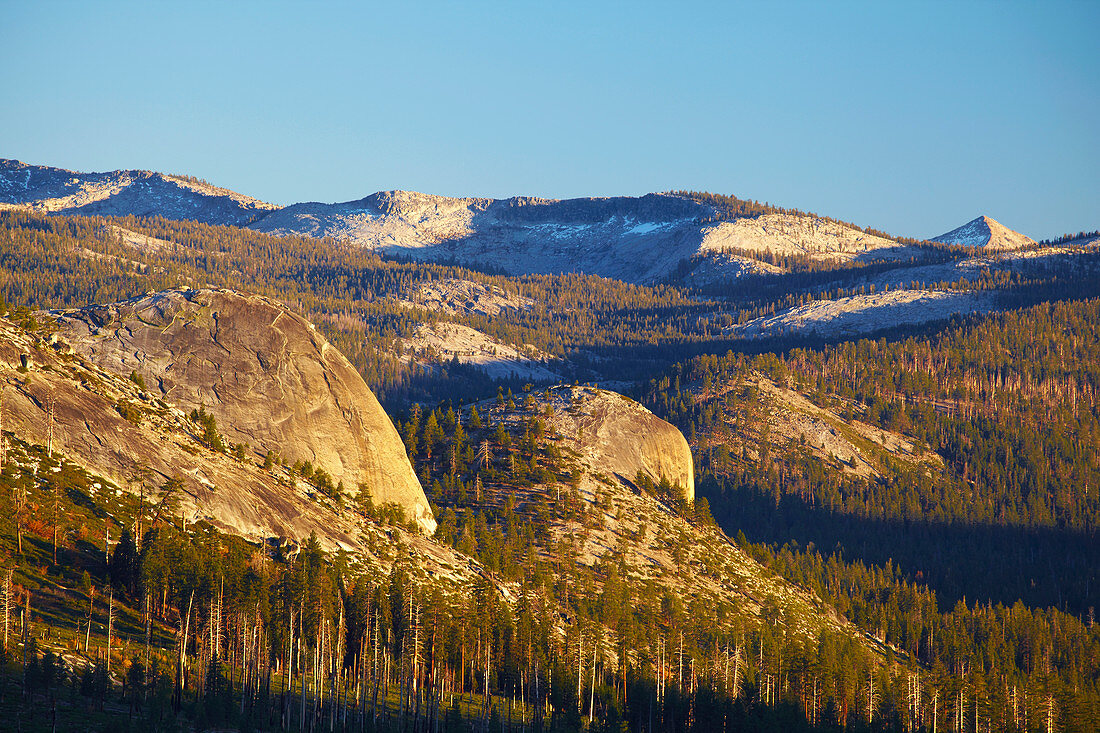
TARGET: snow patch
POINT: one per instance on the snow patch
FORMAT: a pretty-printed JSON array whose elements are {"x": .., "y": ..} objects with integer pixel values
[{"x": 861, "y": 314}]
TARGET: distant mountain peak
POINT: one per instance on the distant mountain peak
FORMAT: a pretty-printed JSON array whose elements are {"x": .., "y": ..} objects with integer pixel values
[
  {"x": 125, "y": 192},
  {"x": 987, "y": 233},
  {"x": 658, "y": 237}
]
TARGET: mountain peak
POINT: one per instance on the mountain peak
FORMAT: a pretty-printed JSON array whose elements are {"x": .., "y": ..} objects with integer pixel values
[{"x": 987, "y": 233}]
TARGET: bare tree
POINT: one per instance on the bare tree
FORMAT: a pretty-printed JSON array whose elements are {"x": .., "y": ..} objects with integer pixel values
[
  {"x": 3, "y": 443},
  {"x": 110, "y": 624},
  {"x": 20, "y": 501},
  {"x": 6, "y": 603},
  {"x": 50, "y": 416}
]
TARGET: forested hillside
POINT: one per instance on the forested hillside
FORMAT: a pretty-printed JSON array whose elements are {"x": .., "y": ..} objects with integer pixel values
[
  {"x": 51, "y": 262},
  {"x": 603, "y": 329},
  {"x": 937, "y": 487},
  {"x": 118, "y": 609},
  {"x": 987, "y": 556}
]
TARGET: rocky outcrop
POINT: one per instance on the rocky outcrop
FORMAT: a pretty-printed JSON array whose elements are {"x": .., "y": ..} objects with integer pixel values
[
  {"x": 267, "y": 376},
  {"x": 800, "y": 235},
  {"x": 152, "y": 440},
  {"x": 615, "y": 435},
  {"x": 463, "y": 297},
  {"x": 431, "y": 344},
  {"x": 634, "y": 239},
  {"x": 864, "y": 314}
]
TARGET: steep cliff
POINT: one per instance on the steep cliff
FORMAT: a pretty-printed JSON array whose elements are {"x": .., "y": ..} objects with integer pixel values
[
  {"x": 618, "y": 435},
  {"x": 267, "y": 376}
]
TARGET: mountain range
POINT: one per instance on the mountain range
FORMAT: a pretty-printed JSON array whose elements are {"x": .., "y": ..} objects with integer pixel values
[
  {"x": 722, "y": 245},
  {"x": 654, "y": 238},
  {"x": 423, "y": 463}
]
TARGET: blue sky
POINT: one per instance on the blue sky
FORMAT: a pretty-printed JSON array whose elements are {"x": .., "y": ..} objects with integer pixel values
[{"x": 912, "y": 118}]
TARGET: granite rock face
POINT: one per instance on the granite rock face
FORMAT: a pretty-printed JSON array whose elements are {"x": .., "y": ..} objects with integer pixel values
[
  {"x": 157, "y": 442},
  {"x": 613, "y": 434},
  {"x": 267, "y": 376}
]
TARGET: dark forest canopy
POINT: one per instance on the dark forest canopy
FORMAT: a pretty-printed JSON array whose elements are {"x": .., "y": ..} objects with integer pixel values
[{"x": 1008, "y": 402}]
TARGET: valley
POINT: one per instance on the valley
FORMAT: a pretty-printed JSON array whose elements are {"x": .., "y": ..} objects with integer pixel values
[{"x": 680, "y": 461}]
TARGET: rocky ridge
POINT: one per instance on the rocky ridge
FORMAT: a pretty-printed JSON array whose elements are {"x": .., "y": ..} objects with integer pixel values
[
  {"x": 646, "y": 239},
  {"x": 794, "y": 235},
  {"x": 863, "y": 314},
  {"x": 434, "y": 343},
  {"x": 775, "y": 420},
  {"x": 641, "y": 240},
  {"x": 463, "y": 297},
  {"x": 649, "y": 539},
  {"x": 124, "y": 193},
  {"x": 115, "y": 429},
  {"x": 634, "y": 239}
]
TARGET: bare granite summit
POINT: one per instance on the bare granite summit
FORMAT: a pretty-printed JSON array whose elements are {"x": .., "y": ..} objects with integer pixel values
[
  {"x": 614, "y": 435},
  {"x": 267, "y": 376}
]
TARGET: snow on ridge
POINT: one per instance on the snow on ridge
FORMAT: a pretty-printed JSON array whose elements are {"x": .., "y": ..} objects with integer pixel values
[
  {"x": 626, "y": 239},
  {"x": 636, "y": 239},
  {"x": 207, "y": 189},
  {"x": 123, "y": 192},
  {"x": 648, "y": 227},
  {"x": 860, "y": 314},
  {"x": 972, "y": 234},
  {"x": 645, "y": 227},
  {"x": 986, "y": 233},
  {"x": 561, "y": 231}
]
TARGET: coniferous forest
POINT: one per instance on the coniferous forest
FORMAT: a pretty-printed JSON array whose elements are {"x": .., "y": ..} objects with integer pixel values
[{"x": 958, "y": 573}]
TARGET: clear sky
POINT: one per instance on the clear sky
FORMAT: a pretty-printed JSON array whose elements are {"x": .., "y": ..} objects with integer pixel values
[{"x": 912, "y": 118}]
